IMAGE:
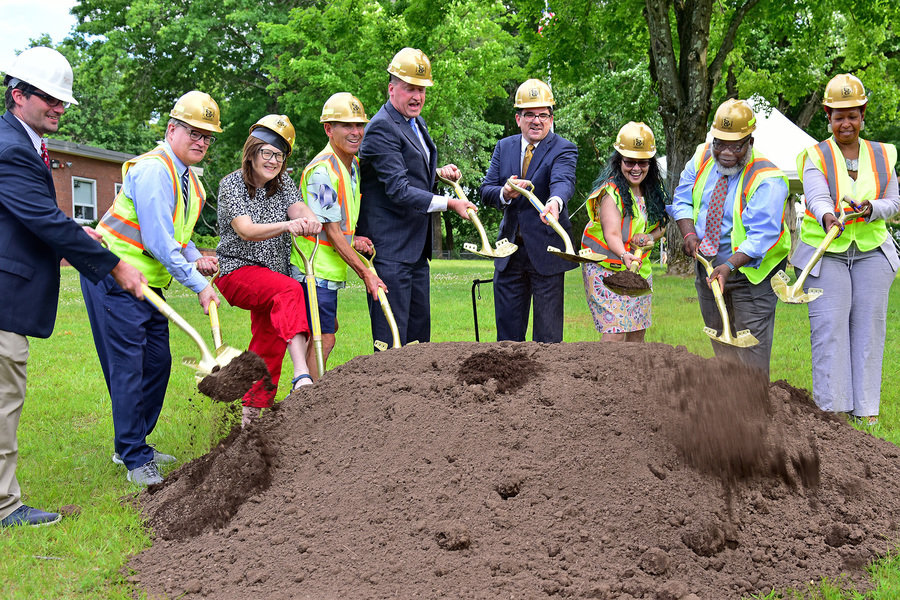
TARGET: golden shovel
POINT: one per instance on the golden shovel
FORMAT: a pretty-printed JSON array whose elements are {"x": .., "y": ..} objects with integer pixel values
[
  {"x": 207, "y": 363},
  {"x": 794, "y": 294},
  {"x": 568, "y": 251},
  {"x": 385, "y": 307},
  {"x": 315, "y": 324},
  {"x": 743, "y": 339},
  {"x": 630, "y": 291},
  {"x": 504, "y": 247}
]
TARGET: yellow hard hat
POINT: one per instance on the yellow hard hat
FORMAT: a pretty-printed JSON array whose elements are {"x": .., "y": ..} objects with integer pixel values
[
  {"x": 343, "y": 107},
  {"x": 534, "y": 93},
  {"x": 844, "y": 91},
  {"x": 635, "y": 140},
  {"x": 734, "y": 120},
  {"x": 197, "y": 109},
  {"x": 280, "y": 126},
  {"x": 412, "y": 66}
]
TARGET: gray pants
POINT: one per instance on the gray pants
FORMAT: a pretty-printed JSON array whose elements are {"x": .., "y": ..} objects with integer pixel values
[
  {"x": 750, "y": 307},
  {"x": 847, "y": 325},
  {"x": 13, "y": 356}
]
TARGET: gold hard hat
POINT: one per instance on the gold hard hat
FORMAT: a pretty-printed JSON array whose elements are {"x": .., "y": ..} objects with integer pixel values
[
  {"x": 412, "y": 66},
  {"x": 199, "y": 110},
  {"x": 635, "y": 140},
  {"x": 734, "y": 120},
  {"x": 534, "y": 93},
  {"x": 277, "y": 124},
  {"x": 844, "y": 91},
  {"x": 343, "y": 107}
]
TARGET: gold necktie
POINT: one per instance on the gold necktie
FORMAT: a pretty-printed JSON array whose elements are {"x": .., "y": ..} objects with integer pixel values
[{"x": 529, "y": 152}]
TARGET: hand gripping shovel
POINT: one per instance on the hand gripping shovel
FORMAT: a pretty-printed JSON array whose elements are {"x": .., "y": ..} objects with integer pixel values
[
  {"x": 385, "y": 307},
  {"x": 316, "y": 324},
  {"x": 743, "y": 339},
  {"x": 504, "y": 247},
  {"x": 568, "y": 252},
  {"x": 224, "y": 377},
  {"x": 624, "y": 283},
  {"x": 794, "y": 294}
]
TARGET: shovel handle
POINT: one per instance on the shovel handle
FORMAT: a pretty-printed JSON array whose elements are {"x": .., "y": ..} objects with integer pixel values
[
  {"x": 473, "y": 215},
  {"x": 385, "y": 305},
  {"x": 540, "y": 208},
  {"x": 315, "y": 322},
  {"x": 169, "y": 312},
  {"x": 214, "y": 324}
]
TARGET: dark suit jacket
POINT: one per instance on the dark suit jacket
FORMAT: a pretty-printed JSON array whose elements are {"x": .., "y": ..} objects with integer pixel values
[
  {"x": 34, "y": 234},
  {"x": 397, "y": 187},
  {"x": 552, "y": 171}
]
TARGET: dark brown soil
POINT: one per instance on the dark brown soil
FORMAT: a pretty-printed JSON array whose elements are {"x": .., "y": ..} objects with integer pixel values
[
  {"x": 228, "y": 383},
  {"x": 666, "y": 476},
  {"x": 626, "y": 280}
]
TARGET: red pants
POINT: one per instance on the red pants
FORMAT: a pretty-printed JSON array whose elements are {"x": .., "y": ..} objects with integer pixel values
[{"x": 277, "y": 313}]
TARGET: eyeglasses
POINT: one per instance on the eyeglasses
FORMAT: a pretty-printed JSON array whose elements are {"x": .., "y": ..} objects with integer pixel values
[
  {"x": 530, "y": 116},
  {"x": 630, "y": 164},
  {"x": 270, "y": 154},
  {"x": 196, "y": 136},
  {"x": 50, "y": 100},
  {"x": 734, "y": 147}
]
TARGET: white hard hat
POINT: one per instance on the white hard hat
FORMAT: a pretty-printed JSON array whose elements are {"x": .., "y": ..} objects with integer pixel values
[{"x": 45, "y": 69}]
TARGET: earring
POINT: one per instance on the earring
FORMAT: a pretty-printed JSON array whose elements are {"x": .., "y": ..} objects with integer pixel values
[
  {"x": 828, "y": 127},
  {"x": 862, "y": 125}
]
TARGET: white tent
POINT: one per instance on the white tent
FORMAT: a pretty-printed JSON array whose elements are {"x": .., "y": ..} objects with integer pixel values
[{"x": 778, "y": 139}]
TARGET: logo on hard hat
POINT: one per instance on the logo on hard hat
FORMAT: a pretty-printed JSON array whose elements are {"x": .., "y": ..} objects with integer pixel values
[
  {"x": 534, "y": 92},
  {"x": 208, "y": 113},
  {"x": 638, "y": 142},
  {"x": 727, "y": 123},
  {"x": 846, "y": 91},
  {"x": 355, "y": 108},
  {"x": 281, "y": 123},
  {"x": 420, "y": 69}
]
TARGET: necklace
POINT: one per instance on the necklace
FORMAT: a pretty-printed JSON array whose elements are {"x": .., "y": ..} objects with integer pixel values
[{"x": 852, "y": 165}]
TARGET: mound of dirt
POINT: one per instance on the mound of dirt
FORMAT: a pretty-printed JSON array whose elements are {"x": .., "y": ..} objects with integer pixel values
[
  {"x": 228, "y": 383},
  {"x": 613, "y": 471}
]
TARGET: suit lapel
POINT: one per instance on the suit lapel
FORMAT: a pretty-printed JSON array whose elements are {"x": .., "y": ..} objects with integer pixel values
[
  {"x": 407, "y": 130},
  {"x": 540, "y": 152},
  {"x": 26, "y": 139}
]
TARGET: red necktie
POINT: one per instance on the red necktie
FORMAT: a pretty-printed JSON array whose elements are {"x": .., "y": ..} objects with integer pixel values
[
  {"x": 44, "y": 154},
  {"x": 710, "y": 244}
]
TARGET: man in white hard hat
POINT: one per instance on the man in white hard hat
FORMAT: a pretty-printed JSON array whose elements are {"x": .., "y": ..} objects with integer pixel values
[
  {"x": 729, "y": 206},
  {"x": 34, "y": 235},
  {"x": 398, "y": 160},
  {"x": 149, "y": 226},
  {"x": 330, "y": 186},
  {"x": 531, "y": 275}
]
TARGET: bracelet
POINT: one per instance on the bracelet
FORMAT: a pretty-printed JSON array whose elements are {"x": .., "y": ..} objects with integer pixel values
[
  {"x": 731, "y": 266},
  {"x": 689, "y": 233}
]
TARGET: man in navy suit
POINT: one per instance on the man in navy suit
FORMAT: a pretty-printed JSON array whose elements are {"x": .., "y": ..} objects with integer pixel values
[
  {"x": 531, "y": 273},
  {"x": 398, "y": 161},
  {"x": 34, "y": 234}
]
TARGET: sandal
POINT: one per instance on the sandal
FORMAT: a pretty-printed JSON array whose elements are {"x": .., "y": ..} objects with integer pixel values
[{"x": 295, "y": 382}]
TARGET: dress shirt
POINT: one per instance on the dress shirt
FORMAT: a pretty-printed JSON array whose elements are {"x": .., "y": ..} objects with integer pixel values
[
  {"x": 523, "y": 147},
  {"x": 32, "y": 134},
  {"x": 762, "y": 214},
  {"x": 149, "y": 185}
]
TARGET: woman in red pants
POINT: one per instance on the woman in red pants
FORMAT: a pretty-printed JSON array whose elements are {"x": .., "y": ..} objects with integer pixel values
[{"x": 259, "y": 210}]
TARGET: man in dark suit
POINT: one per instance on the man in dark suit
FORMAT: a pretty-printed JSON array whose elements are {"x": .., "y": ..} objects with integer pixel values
[
  {"x": 548, "y": 161},
  {"x": 34, "y": 234},
  {"x": 398, "y": 162}
]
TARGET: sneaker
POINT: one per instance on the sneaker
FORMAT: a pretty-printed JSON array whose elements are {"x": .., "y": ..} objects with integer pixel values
[
  {"x": 25, "y": 515},
  {"x": 158, "y": 457},
  {"x": 146, "y": 474}
]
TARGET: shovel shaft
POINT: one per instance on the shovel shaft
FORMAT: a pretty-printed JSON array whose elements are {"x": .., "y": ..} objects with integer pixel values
[
  {"x": 383, "y": 301},
  {"x": 214, "y": 324},
  {"x": 315, "y": 322},
  {"x": 208, "y": 361},
  {"x": 537, "y": 204},
  {"x": 820, "y": 252}
]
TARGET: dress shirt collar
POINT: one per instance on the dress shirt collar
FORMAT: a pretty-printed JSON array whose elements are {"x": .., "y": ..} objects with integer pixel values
[{"x": 35, "y": 138}]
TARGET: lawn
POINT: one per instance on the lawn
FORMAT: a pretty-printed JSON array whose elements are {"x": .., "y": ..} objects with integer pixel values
[{"x": 65, "y": 436}]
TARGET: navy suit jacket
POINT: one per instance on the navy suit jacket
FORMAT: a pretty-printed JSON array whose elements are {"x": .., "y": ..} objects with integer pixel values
[
  {"x": 397, "y": 186},
  {"x": 552, "y": 171},
  {"x": 34, "y": 234}
]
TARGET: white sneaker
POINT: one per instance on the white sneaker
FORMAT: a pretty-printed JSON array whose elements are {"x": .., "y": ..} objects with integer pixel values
[{"x": 146, "y": 474}]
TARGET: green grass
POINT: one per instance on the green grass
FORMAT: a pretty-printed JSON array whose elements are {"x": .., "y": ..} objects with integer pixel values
[{"x": 65, "y": 437}]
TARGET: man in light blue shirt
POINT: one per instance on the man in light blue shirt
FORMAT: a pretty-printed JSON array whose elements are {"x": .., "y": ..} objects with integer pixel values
[{"x": 729, "y": 206}]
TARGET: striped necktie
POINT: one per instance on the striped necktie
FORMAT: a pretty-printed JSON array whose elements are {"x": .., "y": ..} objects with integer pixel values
[{"x": 185, "y": 180}]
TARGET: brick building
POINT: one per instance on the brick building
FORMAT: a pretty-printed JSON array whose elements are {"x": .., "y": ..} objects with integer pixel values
[{"x": 87, "y": 178}]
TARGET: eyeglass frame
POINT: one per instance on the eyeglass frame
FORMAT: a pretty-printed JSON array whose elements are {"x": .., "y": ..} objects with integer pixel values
[
  {"x": 643, "y": 163},
  {"x": 274, "y": 155},
  {"x": 735, "y": 148},
  {"x": 536, "y": 116},
  {"x": 51, "y": 101},
  {"x": 195, "y": 135}
]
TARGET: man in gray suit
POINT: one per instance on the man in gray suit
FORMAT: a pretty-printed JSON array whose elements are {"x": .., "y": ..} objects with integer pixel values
[{"x": 398, "y": 161}]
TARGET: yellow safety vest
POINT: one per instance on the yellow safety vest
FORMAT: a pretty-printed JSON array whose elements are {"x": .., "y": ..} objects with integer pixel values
[
  {"x": 876, "y": 165},
  {"x": 758, "y": 169},
  {"x": 632, "y": 224},
  {"x": 329, "y": 264},
  {"x": 122, "y": 232}
]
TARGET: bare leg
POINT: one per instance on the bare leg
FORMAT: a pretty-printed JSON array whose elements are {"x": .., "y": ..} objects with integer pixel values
[
  {"x": 635, "y": 336},
  {"x": 613, "y": 337}
]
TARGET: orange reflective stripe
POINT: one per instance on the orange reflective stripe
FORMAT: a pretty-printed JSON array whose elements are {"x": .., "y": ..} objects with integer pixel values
[
  {"x": 122, "y": 228},
  {"x": 754, "y": 170},
  {"x": 879, "y": 157}
]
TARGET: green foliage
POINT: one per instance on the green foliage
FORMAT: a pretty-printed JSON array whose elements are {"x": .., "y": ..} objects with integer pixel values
[{"x": 205, "y": 241}]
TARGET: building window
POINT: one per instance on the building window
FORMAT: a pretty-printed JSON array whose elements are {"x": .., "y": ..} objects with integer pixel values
[
  {"x": 118, "y": 189},
  {"x": 84, "y": 199}
]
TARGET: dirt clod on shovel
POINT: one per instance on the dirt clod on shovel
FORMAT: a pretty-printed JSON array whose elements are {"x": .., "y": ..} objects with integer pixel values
[
  {"x": 228, "y": 383},
  {"x": 626, "y": 280}
]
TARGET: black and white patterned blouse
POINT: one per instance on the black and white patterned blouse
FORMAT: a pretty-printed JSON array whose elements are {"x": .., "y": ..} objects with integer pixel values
[{"x": 234, "y": 201}]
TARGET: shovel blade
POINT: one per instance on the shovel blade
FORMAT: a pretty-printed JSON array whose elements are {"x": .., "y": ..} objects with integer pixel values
[
  {"x": 571, "y": 257},
  {"x": 380, "y": 346},
  {"x": 792, "y": 294},
  {"x": 504, "y": 249},
  {"x": 226, "y": 354},
  {"x": 743, "y": 339}
]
